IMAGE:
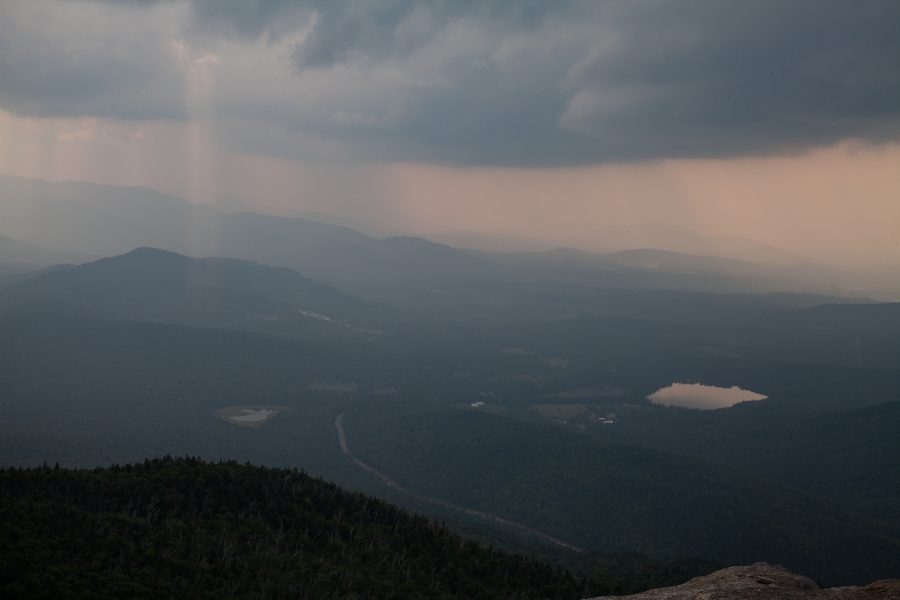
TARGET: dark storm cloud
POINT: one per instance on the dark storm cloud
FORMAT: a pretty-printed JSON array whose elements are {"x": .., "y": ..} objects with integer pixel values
[
  {"x": 713, "y": 78},
  {"x": 347, "y": 31},
  {"x": 81, "y": 59},
  {"x": 250, "y": 18},
  {"x": 525, "y": 83}
]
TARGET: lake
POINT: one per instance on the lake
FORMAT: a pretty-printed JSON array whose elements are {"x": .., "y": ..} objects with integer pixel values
[{"x": 702, "y": 397}]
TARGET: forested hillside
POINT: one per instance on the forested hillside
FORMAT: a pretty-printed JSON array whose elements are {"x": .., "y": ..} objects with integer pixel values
[
  {"x": 617, "y": 497},
  {"x": 190, "y": 529}
]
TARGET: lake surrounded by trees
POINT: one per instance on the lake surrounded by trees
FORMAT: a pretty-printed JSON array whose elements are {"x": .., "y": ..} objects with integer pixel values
[{"x": 702, "y": 397}]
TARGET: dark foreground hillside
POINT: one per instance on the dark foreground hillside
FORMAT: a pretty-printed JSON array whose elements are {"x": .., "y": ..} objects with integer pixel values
[
  {"x": 190, "y": 529},
  {"x": 185, "y": 528}
]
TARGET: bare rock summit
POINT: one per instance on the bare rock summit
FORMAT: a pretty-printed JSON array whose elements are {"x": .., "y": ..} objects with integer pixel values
[{"x": 765, "y": 581}]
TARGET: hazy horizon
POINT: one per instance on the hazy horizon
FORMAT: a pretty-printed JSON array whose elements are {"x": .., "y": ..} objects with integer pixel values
[
  {"x": 546, "y": 122},
  {"x": 452, "y": 228}
]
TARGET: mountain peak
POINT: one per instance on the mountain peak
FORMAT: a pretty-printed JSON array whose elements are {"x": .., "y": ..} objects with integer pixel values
[{"x": 150, "y": 251}]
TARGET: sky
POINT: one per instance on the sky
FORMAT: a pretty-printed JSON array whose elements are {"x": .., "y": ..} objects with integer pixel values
[{"x": 777, "y": 121}]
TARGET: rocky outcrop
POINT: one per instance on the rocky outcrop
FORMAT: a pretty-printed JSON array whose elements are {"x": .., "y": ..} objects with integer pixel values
[{"x": 765, "y": 581}]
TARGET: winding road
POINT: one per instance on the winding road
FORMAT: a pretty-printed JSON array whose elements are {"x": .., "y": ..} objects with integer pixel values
[{"x": 345, "y": 448}]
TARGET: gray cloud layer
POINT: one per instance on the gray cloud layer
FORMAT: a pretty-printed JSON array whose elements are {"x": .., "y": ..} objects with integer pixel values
[{"x": 466, "y": 82}]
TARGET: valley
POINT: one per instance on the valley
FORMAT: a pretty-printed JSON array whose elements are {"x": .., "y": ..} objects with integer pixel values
[{"x": 558, "y": 419}]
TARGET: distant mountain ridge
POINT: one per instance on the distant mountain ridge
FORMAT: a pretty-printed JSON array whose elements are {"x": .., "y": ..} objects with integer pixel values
[
  {"x": 680, "y": 239},
  {"x": 617, "y": 238},
  {"x": 157, "y": 285},
  {"x": 111, "y": 220},
  {"x": 652, "y": 268},
  {"x": 15, "y": 252},
  {"x": 102, "y": 220}
]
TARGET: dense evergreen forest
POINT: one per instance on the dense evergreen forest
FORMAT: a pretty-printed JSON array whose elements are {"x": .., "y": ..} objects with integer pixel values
[{"x": 193, "y": 529}]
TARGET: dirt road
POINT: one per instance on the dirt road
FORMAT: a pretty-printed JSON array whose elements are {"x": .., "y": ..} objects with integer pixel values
[{"x": 345, "y": 448}]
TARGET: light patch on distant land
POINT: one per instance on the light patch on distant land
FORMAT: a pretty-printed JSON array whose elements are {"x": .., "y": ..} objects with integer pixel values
[
  {"x": 313, "y": 315},
  {"x": 703, "y": 397},
  {"x": 249, "y": 416}
]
